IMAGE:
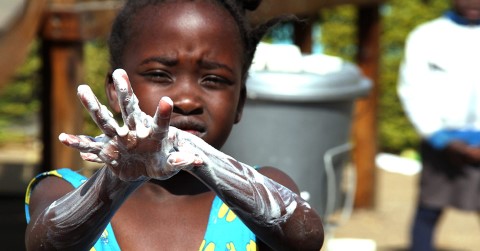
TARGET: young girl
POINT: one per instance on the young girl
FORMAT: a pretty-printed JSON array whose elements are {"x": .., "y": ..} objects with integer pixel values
[{"x": 164, "y": 184}]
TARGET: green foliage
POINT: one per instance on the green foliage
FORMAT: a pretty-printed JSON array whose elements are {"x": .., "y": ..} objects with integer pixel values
[
  {"x": 96, "y": 68},
  {"x": 338, "y": 35},
  {"x": 19, "y": 100}
]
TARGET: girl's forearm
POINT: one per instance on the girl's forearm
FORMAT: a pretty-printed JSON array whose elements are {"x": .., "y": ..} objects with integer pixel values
[
  {"x": 75, "y": 221},
  {"x": 270, "y": 209},
  {"x": 246, "y": 190}
]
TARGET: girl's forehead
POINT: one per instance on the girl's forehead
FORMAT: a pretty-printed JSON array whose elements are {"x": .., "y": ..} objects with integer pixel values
[
  {"x": 199, "y": 18},
  {"x": 187, "y": 10},
  {"x": 179, "y": 28}
]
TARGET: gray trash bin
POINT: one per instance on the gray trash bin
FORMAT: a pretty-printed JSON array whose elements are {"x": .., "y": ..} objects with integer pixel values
[{"x": 292, "y": 121}]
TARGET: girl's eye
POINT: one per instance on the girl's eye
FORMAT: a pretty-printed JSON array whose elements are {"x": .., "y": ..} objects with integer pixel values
[
  {"x": 215, "y": 82},
  {"x": 159, "y": 77}
]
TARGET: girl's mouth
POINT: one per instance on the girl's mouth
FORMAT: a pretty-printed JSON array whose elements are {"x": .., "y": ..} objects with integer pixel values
[
  {"x": 194, "y": 132},
  {"x": 188, "y": 125}
]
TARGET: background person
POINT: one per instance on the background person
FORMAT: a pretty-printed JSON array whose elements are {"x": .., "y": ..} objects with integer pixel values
[{"x": 439, "y": 87}]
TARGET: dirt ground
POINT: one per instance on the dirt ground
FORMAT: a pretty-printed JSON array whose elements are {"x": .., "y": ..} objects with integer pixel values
[{"x": 387, "y": 224}]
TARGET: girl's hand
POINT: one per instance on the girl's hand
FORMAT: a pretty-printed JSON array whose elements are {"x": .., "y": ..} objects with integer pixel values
[{"x": 140, "y": 149}]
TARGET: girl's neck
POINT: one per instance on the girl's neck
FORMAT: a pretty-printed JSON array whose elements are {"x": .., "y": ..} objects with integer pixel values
[{"x": 183, "y": 183}]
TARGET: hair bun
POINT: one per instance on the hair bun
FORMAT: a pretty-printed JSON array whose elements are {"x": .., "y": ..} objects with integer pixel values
[{"x": 251, "y": 4}]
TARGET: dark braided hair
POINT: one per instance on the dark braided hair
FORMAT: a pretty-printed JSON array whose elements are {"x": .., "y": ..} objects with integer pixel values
[{"x": 251, "y": 36}]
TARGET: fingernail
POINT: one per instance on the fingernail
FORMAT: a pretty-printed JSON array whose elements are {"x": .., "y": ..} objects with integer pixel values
[
  {"x": 168, "y": 100},
  {"x": 119, "y": 80},
  {"x": 62, "y": 137},
  {"x": 122, "y": 131},
  {"x": 142, "y": 131}
]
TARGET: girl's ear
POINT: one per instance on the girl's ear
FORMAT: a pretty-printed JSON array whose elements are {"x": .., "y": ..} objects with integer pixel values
[
  {"x": 111, "y": 93},
  {"x": 241, "y": 104}
]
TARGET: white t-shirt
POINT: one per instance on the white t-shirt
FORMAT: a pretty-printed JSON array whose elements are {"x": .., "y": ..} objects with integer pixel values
[{"x": 439, "y": 78}]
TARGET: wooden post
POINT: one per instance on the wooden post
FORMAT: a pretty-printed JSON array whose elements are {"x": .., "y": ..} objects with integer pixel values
[
  {"x": 67, "y": 26},
  {"x": 303, "y": 36},
  {"x": 62, "y": 112},
  {"x": 62, "y": 72},
  {"x": 365, "y": 123}
]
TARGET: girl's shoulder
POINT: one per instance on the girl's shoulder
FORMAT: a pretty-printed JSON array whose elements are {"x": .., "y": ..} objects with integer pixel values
[
  {"x": 40, "y": 194},
  {"x": 279, "y": 176}
]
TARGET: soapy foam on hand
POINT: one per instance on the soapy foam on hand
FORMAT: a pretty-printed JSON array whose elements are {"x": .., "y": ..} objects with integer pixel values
[{"x": 139, "y": 118}]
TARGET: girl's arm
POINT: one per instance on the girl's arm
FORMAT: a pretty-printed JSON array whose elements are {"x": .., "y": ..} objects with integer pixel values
[
  {"x": 132, "y": 154},
  {"x": 276, "y": 214},
  {"x": 76, "y": 220}
]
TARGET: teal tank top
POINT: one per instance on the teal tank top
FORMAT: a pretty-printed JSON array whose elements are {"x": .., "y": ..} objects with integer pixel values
[{"x": 225, "y": 231}]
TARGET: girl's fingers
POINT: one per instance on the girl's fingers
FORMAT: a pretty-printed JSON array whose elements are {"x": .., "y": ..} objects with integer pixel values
[
  {"x": 99, "y": 113},
  {"x": 91, "y": 157},
  {"x": 109, "y": 154},
  {"x": 127, "y": 100},
  {"x": 181, "y": 160},
  {"x": 143, "y": 125},
  {"x": 134, "y": 118},
  {"x": 82, "y": 143},
  {"x": 162, "y": 116},
  {"x": 129, "y": 141}
]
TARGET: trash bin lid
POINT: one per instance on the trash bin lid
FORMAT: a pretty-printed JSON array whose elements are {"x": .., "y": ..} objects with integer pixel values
[{"x": 346, "y": 83}]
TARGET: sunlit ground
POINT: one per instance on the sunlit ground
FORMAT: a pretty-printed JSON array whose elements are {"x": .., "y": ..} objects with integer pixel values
[{"x": 388, "y": 223}]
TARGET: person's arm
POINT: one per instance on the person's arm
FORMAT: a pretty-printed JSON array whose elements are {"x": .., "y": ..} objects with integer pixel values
[
  {"x": 132, "y": 155},
  {"x": 76, "y": 220},
  {"x": 276, "y": 214},
  {"x": 461, "y": 147},
  {"x": 461, "y": 154}
]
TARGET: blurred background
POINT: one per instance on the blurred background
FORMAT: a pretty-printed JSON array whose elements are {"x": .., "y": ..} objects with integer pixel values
[{"x": 48, "y": 47}]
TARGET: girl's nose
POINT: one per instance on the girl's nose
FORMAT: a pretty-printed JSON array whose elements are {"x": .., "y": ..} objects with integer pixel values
[
  {"x": 187, "y": 106},
  {"x": 187, "y": 100}
]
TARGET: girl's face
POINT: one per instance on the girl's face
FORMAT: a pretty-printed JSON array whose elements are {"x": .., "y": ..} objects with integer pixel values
[
  {"x": 470, "y": 9},
  {"x": 191, "y": 52}
]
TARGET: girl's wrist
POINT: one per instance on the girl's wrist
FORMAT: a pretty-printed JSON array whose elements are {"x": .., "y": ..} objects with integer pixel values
[{"x": 112, "y": 184}]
